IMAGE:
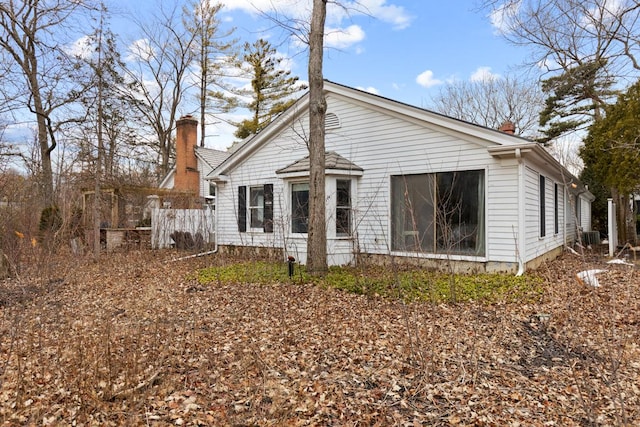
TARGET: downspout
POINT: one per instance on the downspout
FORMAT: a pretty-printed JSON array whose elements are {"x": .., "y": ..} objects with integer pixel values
[
  {"x": 521, "y": 214},
  {"x": 215, "y": 221},
  {"x": 565, "y": 197}
]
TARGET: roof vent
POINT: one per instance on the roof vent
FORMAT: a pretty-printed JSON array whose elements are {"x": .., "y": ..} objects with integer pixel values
[{"x": 331, "y": 121}]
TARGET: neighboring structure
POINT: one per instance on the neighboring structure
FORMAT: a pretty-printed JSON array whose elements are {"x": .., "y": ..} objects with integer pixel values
[
  {"x": 182, "y": 213},
  {"x": 193, "y": 164},
  {"x": 400, "y": 182}
]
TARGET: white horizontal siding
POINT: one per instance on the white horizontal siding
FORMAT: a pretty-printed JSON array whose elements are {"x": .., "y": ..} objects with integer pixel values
[
  {"x": 570, "y": 217},
  {"x": 537, "y": 245},
  {"x": 532, "y": 213},
  {"x": 203, "y": 170},
  {"x": 585, "y": 211},
  {"x": 384, "y": 144},
  {"x": 502, "y": 211}
]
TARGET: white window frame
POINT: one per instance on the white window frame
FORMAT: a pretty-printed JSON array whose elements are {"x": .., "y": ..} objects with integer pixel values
[
  {"x": 291, "y": 187},
  {"x": 259, "y": 207},
  {"x": 348, "y": 208}
]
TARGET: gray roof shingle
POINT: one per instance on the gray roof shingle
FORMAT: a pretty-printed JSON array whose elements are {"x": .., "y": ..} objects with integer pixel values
[{"x": 332, "y": 160}]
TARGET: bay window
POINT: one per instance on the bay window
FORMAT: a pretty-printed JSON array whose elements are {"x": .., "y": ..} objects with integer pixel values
[
  {"x": 343, "y": 207},
  {"x": 300, "y": 207}
]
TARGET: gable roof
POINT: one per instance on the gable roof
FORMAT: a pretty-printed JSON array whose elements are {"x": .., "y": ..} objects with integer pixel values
[
  {"x": 500, "y": 144},
  {"x": 211, "y": 156}
]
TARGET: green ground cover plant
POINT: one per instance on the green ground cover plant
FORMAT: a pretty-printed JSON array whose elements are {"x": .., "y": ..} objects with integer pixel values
[{"x": 406, "y": 284}]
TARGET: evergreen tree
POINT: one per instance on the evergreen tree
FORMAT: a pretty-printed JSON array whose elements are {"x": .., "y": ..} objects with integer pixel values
[
  {"x": 575, "y": 99},
  {"x": 612, "y": 151},
  {"x": 599, "y": 207},
  {"x": 272, "y": 87}
]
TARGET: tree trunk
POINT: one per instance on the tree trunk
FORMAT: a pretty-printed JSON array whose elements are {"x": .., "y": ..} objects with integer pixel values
[
  {"x": 47, "y": 171},
  {"x": 317, "y": 242},
  {"x": 43, "y": 142}
]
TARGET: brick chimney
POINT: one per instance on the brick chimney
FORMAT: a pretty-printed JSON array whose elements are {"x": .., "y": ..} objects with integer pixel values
[
  {"x": 508, "y": 127},
  {"x": 187, "y": 177}
]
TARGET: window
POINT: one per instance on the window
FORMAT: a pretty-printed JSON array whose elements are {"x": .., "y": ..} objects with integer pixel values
[
  {"x": 258, "y": 210},
  {"x": 210, "y": 198},
  {"x": 543, "y": 228},
  {"x": 578, "y": 211},
  {"x": 343, "y": 207},
  {"x": 256, "y": 207},
  {"x": 438, "y": 213},
  {"x": 556, "y": 223},
  {"x": 300, "y": 207}
]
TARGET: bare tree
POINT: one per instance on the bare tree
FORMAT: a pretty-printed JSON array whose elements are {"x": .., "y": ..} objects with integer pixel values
[
  {"x": 566, "y": 33},
  {"x": 492, "y": 101},
  {"x": 39, "y": 69},
  {"x": 580, "y": 45},
  {"x": 214, "y": 54},
  {"x": 589, "y": 48},
  {"x": 159, "y": 68},
  {"x": 8, "y": 151}
]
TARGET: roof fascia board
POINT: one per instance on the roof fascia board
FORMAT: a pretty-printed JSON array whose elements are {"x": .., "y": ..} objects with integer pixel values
[
  {"x": 261, "y": 138},
  {"x": 202, "y": 159},
  {"x": 545, "y": 157},
  {"x": 167, "y": 177}
]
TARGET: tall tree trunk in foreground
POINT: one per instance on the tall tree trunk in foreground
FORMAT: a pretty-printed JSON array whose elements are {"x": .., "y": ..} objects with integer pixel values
[{"x": 317, "y": 243}]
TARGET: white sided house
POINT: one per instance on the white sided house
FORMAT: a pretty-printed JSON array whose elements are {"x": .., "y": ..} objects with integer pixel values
[{"x": 401, "y": 181}]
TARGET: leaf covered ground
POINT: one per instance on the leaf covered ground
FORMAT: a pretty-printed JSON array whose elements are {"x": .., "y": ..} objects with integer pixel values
[{"x": 134, "y": 339}]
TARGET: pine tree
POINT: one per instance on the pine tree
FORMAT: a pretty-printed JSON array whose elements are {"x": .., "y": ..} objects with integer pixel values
[
  {"x": 272, "y": 87},
  {"x": 612, "y": 151},
  {"x": 575, "y": 99}
]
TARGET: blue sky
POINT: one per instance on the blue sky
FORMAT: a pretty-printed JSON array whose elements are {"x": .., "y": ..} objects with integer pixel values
[
  {"x": 401, "y": 49},
  {"x": 404, "y": 50}
]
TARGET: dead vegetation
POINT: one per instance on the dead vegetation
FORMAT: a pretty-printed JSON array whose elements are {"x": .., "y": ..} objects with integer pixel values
[{"x": 135, "y": 340}]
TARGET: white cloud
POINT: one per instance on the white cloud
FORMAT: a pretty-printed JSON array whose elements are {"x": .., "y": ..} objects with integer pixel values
[
  {"x": 369, "y": 89},
  {"x": 502, "y": 16},
  {"x": 379, "y": 9},
  {"x": 81, "y": 48},
  {"x": 140, "y": 50},
  {"x": 336, "y": 13},
  {"x": 342, "y": 38},
  {"x": 606, "y": 13},
  {"x": 483, "y": 74},
  {"x": 426, "y": 79}
]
